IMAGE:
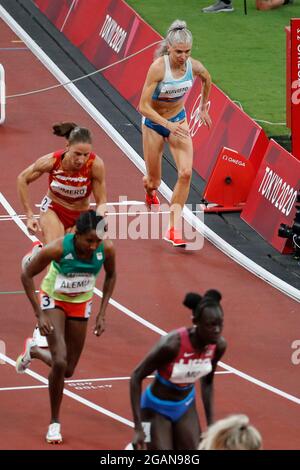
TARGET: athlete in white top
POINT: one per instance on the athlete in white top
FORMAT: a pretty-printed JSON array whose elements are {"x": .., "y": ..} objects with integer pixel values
[{"x": 168, "y": 80}]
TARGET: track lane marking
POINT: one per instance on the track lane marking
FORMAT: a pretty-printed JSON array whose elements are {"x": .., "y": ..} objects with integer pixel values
[
  {"x": 72, "y": 395},
  {"x": 137, "y": 160},
  {"x": 81, "y": 381},
  {"x": 150, "y": 325}
]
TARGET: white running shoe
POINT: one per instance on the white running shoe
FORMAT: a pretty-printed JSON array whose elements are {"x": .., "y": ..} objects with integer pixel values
[
  {"x": 36, "y": 247},
  {"x": 53, "y": 435},
  {"x": 41, "y": 341},
  {"x": 129, "y": 446},
  {"x": 24, "y": 360}
]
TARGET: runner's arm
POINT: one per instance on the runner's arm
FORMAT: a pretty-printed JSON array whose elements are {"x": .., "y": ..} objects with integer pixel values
[
  {"x": 108, "y": 286},
  {"x": 99, "y": 186},
  {"x": 200, "y": 71},
  {"x": 207, "y": 382},
  {"x": 154, "y": 76},
  {"x": 30, "y": 174},
  {"x": 40, "y": 261},
  {"x": 162, "y": 353}
]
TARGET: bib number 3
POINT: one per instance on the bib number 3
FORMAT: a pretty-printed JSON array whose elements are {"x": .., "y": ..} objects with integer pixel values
[{"x": 47, "y": 302}]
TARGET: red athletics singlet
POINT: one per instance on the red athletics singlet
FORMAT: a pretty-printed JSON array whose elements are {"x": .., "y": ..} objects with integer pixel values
[
  {"x": 71, "y": 185},
  {"x": 189, "y": 365}
]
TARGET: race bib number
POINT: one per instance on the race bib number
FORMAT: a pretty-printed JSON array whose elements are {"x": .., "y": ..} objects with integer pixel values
[
  {"x": 75, "y": 284},
  {"x": 47, "y": 302},
  {"x": 191, "y": 370},
  {"x": 45, "y": 204},
  {"x": 88, "y": 309}
]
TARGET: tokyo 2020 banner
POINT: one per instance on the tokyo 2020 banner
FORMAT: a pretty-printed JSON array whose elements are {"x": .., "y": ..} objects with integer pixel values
[
  {"x": 272, "y": 198},
  {"x": 107, "y": 31}
]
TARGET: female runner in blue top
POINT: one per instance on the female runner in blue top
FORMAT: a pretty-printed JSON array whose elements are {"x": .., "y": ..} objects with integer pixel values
[{"x": 168, "y": 80}]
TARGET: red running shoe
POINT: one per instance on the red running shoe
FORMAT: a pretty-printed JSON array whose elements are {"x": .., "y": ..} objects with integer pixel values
[
  {"x": 152, "y": 200},
  {"x": 173, "y": 237}
]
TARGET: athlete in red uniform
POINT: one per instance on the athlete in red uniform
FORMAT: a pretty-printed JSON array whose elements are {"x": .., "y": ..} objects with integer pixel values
[
  {"x": 74, "y": 173},
  {"x": 165, "y": 415}
]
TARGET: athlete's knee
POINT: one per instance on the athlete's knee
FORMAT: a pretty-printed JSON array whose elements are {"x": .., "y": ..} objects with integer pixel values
[
  {"x": 59, "y": 363},
  {"x": 69, "y": 371},
  {"x": 185, "y": 175}
]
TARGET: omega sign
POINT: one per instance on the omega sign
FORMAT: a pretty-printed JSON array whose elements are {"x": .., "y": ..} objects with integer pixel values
[
  {"x": 113, "y": 34},
  {"x": 233, "y": 160}
]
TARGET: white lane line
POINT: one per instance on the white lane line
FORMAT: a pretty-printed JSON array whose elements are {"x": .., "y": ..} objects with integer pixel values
[
  {"x": 72, "y": 395},
  {"x": 154, "y": 328},
  {"x": 120, "y": 203},
  {"x": 32, "y": 387},
  {"x": 81, "y": 381},
  {"x": 136, "y": 159},
  {"x": 5, "y": 218}
]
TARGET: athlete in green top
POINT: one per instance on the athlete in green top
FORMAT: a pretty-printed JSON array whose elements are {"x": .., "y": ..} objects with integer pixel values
[{"x": 65, "y": 303}]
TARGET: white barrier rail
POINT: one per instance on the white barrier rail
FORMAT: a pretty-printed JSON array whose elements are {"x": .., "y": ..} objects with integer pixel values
[{"x": 2, "y": 94}]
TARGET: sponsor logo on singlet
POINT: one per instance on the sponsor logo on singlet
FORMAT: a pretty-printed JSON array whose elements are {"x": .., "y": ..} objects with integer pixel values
[
  {"x": 69, "y": 256},
  {"x": 73, "y": 179},
  {"x": 69, "y": 191}
]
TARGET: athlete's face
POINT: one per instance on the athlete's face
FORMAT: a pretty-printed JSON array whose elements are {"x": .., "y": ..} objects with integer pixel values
[
  {"x": 87, "y": 242},
  {"x": 209, "y": 328},
  {"x": 78, "y": 154},
  {"x": 179, "y": 53}
]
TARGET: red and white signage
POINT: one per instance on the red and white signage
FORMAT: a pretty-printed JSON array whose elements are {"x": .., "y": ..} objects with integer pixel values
[
  {"x": 273, "y": 195},
  {"x": 230, "y": 182},
  {"x": 107, "y": 31},
  {"x": 295, "y": 85},
  {"x": 288, "y": 87}
]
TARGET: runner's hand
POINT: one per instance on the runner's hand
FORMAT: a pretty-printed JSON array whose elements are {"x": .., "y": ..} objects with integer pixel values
[
  {"x": 33, "y": 225},
  {"x": 100, "y": 326},
  {"x": 44, "y": 325},
  {"x": 205, "y": 118},
  {"x": 138, "y": 441},
  {"x": 177, "y": 129}
]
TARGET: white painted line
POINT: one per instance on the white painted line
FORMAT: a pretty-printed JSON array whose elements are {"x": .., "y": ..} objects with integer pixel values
[
  {"x": 138, "y": 213},
  {"x": 120, "y": 203},
  {"x": 131, "y": 314},
  {"x": 68, "y": 14},
  {"x": 5, "y": 218},
  {"x": 111, "y": 379},
  {"x": 79, "y": 381},
  {"x": 32, "y": 387},
  {"x": 14, "y": 216},
  {"x": 72, "y": 395},
  {"x": 161, "y": 332},
  {"x": 133, "y": 156},
  {"x": 102, "y": 379}
]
